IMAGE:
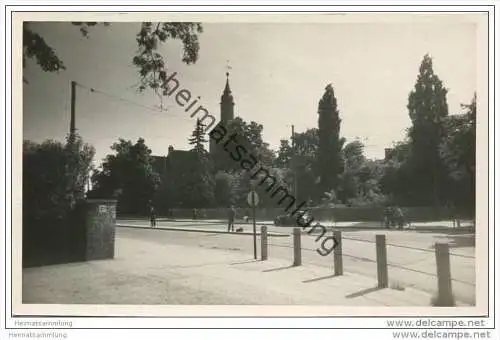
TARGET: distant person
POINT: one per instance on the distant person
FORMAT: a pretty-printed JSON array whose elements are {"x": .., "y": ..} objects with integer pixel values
[
  {"x": 195, "y": 214},
  {"x": 230, "y": 218},
  {"x": 452, "y": 211},
  {"x": 399, "y": 217},
  {"x": 152, "y": 216},
  {"x": 387, "y": 216}
]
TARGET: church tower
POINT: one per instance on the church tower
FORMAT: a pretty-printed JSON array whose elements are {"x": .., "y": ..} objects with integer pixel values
[
  {"x": 226, "y": 112},
  {"x": 226, "y": 103}
]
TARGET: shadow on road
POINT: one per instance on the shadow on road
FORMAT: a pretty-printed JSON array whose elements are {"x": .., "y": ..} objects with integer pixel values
[
  {"x": 244, "y": 262},
  {"x": 363, "y": 292},
  {"x": 321, "y": 278},
  {"x": 277, "y": 269}
]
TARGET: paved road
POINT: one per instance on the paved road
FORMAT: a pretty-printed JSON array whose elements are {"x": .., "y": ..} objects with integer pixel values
[
  {"x": 410, "y": 253},
  {"x": 156, "y": 273}
]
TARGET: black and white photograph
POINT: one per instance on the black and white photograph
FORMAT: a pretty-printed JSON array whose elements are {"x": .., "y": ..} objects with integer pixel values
[{"x": 325, "y": 160}]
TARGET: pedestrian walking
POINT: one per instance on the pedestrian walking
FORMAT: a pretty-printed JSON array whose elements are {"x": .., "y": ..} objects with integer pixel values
[
  {"x": 452, "y": 212},
  {"x": 231, "y": 216},
  {"x": 152, "y": 216},
  {"x": 399, "y": 217},
  {"x": 387, "y": 216}
]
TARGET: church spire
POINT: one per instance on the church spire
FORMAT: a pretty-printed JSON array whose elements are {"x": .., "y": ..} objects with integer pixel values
[
  {"x": 227, "y": 89},
  {"x": 227, "y": 102}
]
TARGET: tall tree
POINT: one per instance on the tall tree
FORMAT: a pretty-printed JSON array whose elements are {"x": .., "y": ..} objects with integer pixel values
[
  {"x": 199, "y": 188},
  {"x": 198, "y": 138},
  {"x": 128, "y": 175},
  {"x": 427, "y": 109},
  {"x": 329, "y": 161}
]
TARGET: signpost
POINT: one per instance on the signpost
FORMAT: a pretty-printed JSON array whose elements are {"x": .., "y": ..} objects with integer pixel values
[{"x": 253, "y": 200}]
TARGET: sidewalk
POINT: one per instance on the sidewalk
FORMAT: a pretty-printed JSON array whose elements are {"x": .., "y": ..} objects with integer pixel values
[
  {"x": 246, "y": 230},
  {"x": 151, "y": 273}
]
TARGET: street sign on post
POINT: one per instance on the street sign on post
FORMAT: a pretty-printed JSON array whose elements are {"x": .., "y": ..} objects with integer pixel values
[{"x": 253, "y": 200}]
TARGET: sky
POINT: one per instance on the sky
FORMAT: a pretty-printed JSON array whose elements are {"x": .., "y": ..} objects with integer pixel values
[{"x": 278, "y": 74}]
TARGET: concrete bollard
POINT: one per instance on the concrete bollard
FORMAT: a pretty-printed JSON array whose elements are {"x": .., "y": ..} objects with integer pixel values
[
  {"x": 382, "y": 271},
  {"x": 263, "y": 242},
  {"x": 337, "y": 254},
  {"x": 297, "y": 255},
  {"x": 445, "y": 294}
]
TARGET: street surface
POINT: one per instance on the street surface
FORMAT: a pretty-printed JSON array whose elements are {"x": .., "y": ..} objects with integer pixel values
[
  {"x": 410, "y": 253},
  {"x": 162, "y": 273}
]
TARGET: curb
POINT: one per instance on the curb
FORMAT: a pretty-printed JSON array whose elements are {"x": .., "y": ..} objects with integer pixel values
[
  {"x": 269, "y": 234},
  {"x": 213, "y": 221},
  {"x": 422, "y": 229}
]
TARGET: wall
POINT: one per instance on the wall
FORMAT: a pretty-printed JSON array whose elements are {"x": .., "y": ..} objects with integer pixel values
[
  {"x": 100, "y": 221},
  {"x": 87, "y": 233}
]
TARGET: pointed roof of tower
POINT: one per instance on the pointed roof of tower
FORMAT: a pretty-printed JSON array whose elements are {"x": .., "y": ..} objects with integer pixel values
[{"x": 227, "y": 89}]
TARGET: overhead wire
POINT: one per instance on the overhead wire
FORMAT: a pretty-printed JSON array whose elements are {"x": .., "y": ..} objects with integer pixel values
[{"x": 115, "y": 97}]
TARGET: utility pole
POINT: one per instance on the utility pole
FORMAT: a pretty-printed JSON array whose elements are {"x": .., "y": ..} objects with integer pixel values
[
  {"x": 72, "y": 126},
  {"x": 294, "y": 167}
]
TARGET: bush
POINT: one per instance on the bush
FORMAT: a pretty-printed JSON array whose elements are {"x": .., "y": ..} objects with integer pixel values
[{"x": 54, "y": 180}]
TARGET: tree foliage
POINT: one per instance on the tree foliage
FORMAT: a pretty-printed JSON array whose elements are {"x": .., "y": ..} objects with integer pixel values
[
  {"x": 151, "y": 64},
  {"x": 127, "y": 175},
  {"x": 458, "y": 152},
  {"x": 428, "y": 110},
  {"x": 305, "y": 165},
  {"x": 360, "y": 180},
  {"x": 198, "y": 138},
  {"x": 197, "y": 186},
  {"x": 55, "y": 176},
  {"x": 353, "y": 160},
  {"x": 329, "y": 162},
  {"x": 396, "y": 179},
  {"x": 223, "y": 196},
  {"x": 35, "y": 47},
  {"x": 436, "y": 164},
  {"x": 249, "y": 136}
]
